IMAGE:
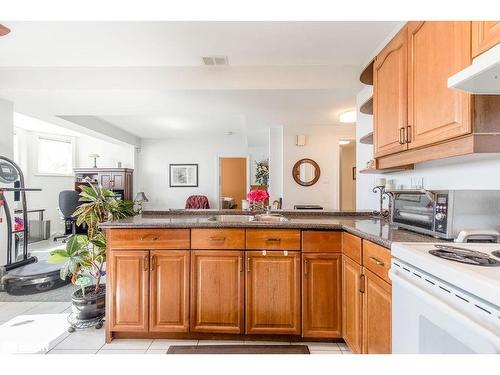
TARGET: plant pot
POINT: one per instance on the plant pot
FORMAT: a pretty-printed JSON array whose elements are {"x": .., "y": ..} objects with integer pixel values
[{"x": 90, "y": 306}]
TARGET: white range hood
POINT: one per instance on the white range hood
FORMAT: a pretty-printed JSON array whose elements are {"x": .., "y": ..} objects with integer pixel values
[{"x": 482, "y": 77}]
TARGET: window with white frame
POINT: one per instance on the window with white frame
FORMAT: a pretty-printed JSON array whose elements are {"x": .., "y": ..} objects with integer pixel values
[{"x": 55, "y": 155}]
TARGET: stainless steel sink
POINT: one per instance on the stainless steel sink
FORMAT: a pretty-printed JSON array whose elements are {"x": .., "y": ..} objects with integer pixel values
[
  {"x": 272, "y": 218},
  {"x": 266, "y": 218}
]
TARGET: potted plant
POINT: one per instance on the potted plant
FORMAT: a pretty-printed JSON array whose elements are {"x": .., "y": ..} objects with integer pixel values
[
  {"x": 262, "y": 172},
  {"x": 257, "y": 199},
  {"x": 85, "y": 255}
]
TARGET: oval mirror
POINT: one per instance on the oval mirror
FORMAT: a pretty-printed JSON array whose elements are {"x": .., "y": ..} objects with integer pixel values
[{"x": 306, "y": 172}]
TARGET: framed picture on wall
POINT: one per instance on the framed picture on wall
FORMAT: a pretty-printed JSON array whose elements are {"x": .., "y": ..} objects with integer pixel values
[{"x": 183, "y": 175}]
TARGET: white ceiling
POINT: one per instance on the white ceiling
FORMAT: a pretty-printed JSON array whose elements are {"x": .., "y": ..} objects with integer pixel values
[
  {"x": 183, "y": 43},
  {"x": 145, "y": 78}
]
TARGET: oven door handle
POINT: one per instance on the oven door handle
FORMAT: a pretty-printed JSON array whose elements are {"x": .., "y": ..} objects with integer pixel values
[{"x": 486, "y": 334}]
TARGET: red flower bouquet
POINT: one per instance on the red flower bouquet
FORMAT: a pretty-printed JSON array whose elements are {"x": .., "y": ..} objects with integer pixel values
[{"x": 257, "y": 196}]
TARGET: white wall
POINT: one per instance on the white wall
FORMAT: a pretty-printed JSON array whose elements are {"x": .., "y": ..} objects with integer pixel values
[
  {"x": 481, "y": 172},
  {"x": 6, "y": 149},
  {"x": 275, "y": 164},
  {"x": 322, "y": 145},
  {"x": 156, "y": 155}
]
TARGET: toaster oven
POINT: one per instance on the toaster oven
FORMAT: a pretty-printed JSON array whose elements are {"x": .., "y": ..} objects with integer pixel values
[{"x": 444, "y": 213}]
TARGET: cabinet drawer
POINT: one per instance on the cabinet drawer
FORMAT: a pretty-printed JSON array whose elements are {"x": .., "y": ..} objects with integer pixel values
[
  {"x": 377, "y": 259},
  {"x": 321, "y": 241},
  {"x": 351, "y": 246},
  {"x": 148, "y": 239},
  {"x": 273, "y": 239},
  {"x": 219, "y": 239}
]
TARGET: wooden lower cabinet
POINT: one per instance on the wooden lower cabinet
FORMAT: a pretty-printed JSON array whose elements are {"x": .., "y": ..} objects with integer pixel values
[
  {"x": 352, "y": 303},
  {"x": 169, "y": 291},
  {"x": 217, "y": 291},
  {"x": 377, "y": 306},
  {"x": 321, "y": 295},
  {"x": 129, "y": 285},
  {"x": 273, "y": 292}
]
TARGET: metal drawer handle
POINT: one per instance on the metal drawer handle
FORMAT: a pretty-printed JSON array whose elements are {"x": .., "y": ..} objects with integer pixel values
[
  {"x": 402, "y": 136},
  {"x": 146, "y": 237},
  {"x": 217, "y": 238},
  {"x": 146, "y": 262},
  {"x": 378, "y": 262},
  {"x": 248, "y": 264},
  {"x": 153, "y": 262},
  {"x": 240, "y": 263},
  {"x": 273, "y": 240},
  {"x": 362, "y": 283},
  {"x": 305, "y": 267}
]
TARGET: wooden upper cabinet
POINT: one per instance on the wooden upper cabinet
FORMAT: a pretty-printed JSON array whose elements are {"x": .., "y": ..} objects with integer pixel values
[
  {"x": 272, "y": 293},
  {"x": 390, "y": 100},
  {"x": 436, "y": 51},
  {"x": 217, "y": 291},
  {"x": 129, "y": 285},
  {"x": 169, "y": 291},
  {"x": 485, "y": 35},
  {"x": 321, "y": 295},
  {"x": 352, "y": 303},
  {"x": 377, "y": 305}
]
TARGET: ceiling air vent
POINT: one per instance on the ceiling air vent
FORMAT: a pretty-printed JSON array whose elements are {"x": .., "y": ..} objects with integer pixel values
[{"x": 215, "y": 60}]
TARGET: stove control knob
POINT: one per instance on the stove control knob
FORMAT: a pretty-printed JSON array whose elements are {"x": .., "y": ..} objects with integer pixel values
[{"x": 440, "y": 216}]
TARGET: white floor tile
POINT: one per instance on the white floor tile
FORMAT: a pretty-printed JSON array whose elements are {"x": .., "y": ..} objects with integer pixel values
[
  {"x": 125, "y": 344},
  {"x": 10, "y": 310},
  {"x": 164, "y": 344},
  {"x": 123, "y": 351},
  {"x": 321, "y": 345},
  {"x": 156, "y": 351},
  {"x": 332, "y": 352},
  {"x": 90, "y": 338},
  {"x": 343, "y": 346},
  {"x": 220, "y": 342},
  {"x": 69, "y": 351},
  {"x": 49, "y": 308}
]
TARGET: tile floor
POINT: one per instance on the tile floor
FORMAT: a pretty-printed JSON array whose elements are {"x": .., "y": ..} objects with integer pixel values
[{"x": 41, "y": 327}]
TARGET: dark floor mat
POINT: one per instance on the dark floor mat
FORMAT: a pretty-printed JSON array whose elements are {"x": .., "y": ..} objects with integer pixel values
[{"x": 238, "y": 349}]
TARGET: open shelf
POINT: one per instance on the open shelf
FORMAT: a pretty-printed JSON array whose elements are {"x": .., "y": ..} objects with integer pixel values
[
  {"x": 367, "y": 107},
  {"x": 367, "y": 139},
  {"x": 388, "y": 170},
  {"x": 366, "y": 76}
]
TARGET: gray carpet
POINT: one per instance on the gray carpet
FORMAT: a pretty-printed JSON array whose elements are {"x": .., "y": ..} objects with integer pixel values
[{"x": 62, "y": 294}]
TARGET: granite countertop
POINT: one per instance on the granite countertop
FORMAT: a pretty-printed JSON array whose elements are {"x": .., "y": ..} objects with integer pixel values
[{"x": 358, "y": 223}]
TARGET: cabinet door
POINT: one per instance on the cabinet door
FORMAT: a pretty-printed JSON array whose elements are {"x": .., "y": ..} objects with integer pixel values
[
  {"x": 217, "y": 291},
  {"x": 352, "y": 302},
  {"x": 485, "y": 35},
  {"x": 377, "y": 306},
  {"x": 105, "y": 180},
  {"x": 321, "y": 295},
  {"x": 273, "y": 292},
  {"x": 118, "y": 181},
  {"x": 390, "y": 97},
  {"x": 169, "y": 288},
  {"x": 129, "y": 284},
  {"x": 436, "y": 51}
]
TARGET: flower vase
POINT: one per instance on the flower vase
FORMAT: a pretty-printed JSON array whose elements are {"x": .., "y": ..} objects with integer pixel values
[{"x": 257, "y": 206}]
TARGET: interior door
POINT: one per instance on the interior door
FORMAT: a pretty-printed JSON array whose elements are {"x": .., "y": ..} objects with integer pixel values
[
  {"x": 273, "y": 292},
  {"x": 390, "y": 97},
  {"x": 129, "y": 271},
  {"x": 436, "y": 51},
  {"x": 485, "y": 35},
  {"x": 352, "y": 303},
  {"x": 321, "y": 295},
  {"x": 217, "y": 291},
  {"x": 233, "y": 180},
  {"x": 169, "y": 288},
  {"x": 377, "y": 305}
]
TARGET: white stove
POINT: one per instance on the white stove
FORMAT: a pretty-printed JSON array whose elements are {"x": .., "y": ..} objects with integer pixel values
[{"x": 446, "y": 298}]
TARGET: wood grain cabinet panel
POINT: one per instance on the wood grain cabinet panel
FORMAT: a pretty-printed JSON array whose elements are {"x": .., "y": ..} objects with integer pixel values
[
  {"x": 169, "y": 288},
  {"x": 272, "y": 293},
  {"x": 217, "y": 239},
  {"x": 321, "y": 295},
  {"x": 352, "y": 303},
  {"x": 436, "y": 51},
  {"x": 217, "y": 291},
  {"x": 377, "y": 259},
  {"x": 316, "y": 241},
  {"x": 377, "y": 305},
  {"x": 273, "y": 239},
  {"x": 129, "y": 285},
  {"x": 148, "y": 239},
  {"x": 390, "y": 97},
  {"x": 485, "y": 35},
  {"x": 352, "y": 247}
]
